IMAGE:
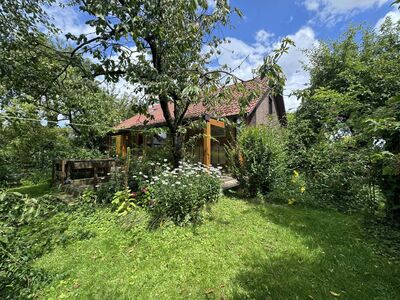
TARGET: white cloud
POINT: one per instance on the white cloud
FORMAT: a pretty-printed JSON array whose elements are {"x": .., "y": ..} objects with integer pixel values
[
  {"x": 311, "y": 4},
  {"x": 292, "y": 64},
  {"x": 263, "y": 36},
  {"x": 68, "y": 19},
  {"x": 250, "y": 56},
  {"x": 211, "y": 3},
  {"x": 331, "y": 11},
  {"x": 240, "y": 57},
  {"x": 394, "y": 15}
]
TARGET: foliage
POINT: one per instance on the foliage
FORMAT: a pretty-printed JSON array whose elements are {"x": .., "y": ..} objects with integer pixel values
[
  {"x": 242, "y": 251},
  {"x": 21, "y": 19},
  {"x": 27, "y": 150},
  {"x": 291, "y": 190},
  {"x": 181, "y": 194},
  {"x": 30, "y": 74},
  {"x": 30, "y": 227},
  {"x": 123, "y": 201},
  {"x": 144, "y": 167},
  {"x": 335, "y": 135},
  {"x": 384, "y": 128},
  {"x": 33, "y": 100},
  {"x": 106, "y": 190},
  {"x": 258, "y": 159},
  {"x": 88, "y": 196},
  {"x": 338, "y": 177},
  {"x": 16, "y": 276}
]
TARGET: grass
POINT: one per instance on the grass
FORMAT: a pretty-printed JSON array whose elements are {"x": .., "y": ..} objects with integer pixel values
[
  {"x": 33, "y": 190},
  {"x": 242, "y": 251}
]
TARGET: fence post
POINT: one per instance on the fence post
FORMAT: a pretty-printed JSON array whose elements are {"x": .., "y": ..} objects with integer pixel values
[
  {"x": 207, "y": 145},
  {"x": 127, "y": 163},
  {"x": 95, "y": 177}
]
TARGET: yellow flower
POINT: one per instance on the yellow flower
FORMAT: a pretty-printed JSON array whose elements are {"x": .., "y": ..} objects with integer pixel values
[
  {"x": 291, "y": 201},
  {"x": 295, "y": 173},
  {"x": 302, "y": 189}
]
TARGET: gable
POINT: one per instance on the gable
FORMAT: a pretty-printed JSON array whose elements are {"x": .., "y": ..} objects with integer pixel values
[{"x": 267, "y": 111}]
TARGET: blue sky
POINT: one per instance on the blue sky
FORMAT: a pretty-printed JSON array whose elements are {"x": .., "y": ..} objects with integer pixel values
[
  {"x": 266, "y": 22},
  {"x": 286, "y": 17}
]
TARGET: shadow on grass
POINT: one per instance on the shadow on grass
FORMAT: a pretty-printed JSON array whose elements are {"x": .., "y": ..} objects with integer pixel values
[
  {"x": 33, "y": 190},
  {"x": 239, "y": 194},
  {"x": 333, "y": 260}
]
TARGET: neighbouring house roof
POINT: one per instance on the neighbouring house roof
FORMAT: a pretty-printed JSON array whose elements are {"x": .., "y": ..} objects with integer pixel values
[{"x": 227, "y": 108}]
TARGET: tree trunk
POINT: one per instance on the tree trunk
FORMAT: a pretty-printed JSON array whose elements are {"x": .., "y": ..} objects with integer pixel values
[{"x": 177, "y": 147}]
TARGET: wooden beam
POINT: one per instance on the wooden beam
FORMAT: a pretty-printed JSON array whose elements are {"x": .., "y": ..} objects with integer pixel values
[
  {"x": 63, "y": 175},
  {"x": 217, "y": 123},
  {"x": 207, "y": 145},
  {"x": 124, "y": 144},
  {"x": 118, "y": 139}
]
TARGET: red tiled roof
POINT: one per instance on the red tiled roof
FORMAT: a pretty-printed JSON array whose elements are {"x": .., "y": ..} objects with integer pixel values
[{"x": 227, "y": 108}]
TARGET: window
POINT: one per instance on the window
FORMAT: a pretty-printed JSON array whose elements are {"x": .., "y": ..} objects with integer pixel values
[{"x": 270, "y": 106}]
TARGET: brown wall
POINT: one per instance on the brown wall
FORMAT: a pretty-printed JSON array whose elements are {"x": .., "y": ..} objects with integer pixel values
[{"x": 262, "y": 114}]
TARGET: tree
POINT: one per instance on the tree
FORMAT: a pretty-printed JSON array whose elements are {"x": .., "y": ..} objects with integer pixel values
[
  {"x": 20, "y": 19},
  {"x": 163, "y": 47},
  {"x": 30, "y": 75},
  {"x": 350, "y": 110}
]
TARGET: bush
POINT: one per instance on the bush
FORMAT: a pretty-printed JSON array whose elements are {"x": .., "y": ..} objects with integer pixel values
[
  {"x": 337, "y": 176},
  {"x": 258, "y": 159},
  {"x": 123, "y": 202},
  {"x": 335, "y": 172},
  {"x": 106, "y": 191},
  {"x": 291, "y": 190},
  {"x": 30, "y": 227},
  {"x": 17, "y": 278},
  {"x": 142, "y": 168},
  {"x": 26, "y": 155},
  {"x": 181, "y": 194}
]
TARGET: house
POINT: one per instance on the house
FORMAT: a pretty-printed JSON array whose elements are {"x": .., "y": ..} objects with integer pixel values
[{"x": 264, "y": 109}]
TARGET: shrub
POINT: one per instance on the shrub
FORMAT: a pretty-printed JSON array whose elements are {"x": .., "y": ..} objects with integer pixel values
[
  {"x": 335, "y": 173},
  {"x": 17, "y": 278},
  {"x": 141, "y": 168},
  {"x": 88, "y": 196},
  {"x": 181, "y": 194},
  {"x": 123, "y": 201},
  {"x": 337, "y": 176},
  {"x": 29, "y": 227},
  {"x": 258, "y": 159},
  {"x": 291, "y": 190},
  {"x": 106, "y": 190}
]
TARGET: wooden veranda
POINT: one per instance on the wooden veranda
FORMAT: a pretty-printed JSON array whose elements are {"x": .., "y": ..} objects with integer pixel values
[{"x": 123, "y": 139}]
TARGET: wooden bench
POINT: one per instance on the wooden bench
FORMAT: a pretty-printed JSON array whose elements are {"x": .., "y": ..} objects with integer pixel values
[{"x": 82, "y": 172}]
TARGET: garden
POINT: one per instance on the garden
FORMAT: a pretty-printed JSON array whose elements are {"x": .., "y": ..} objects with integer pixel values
[
  {"x": 316, "y": 214},
  {"x": 243, "y": 248}
]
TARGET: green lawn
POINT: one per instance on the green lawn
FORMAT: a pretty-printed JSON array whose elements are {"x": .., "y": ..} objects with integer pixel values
[
  {"x": 243, "y": 250},
  {"x": 33, "y": 190}
]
